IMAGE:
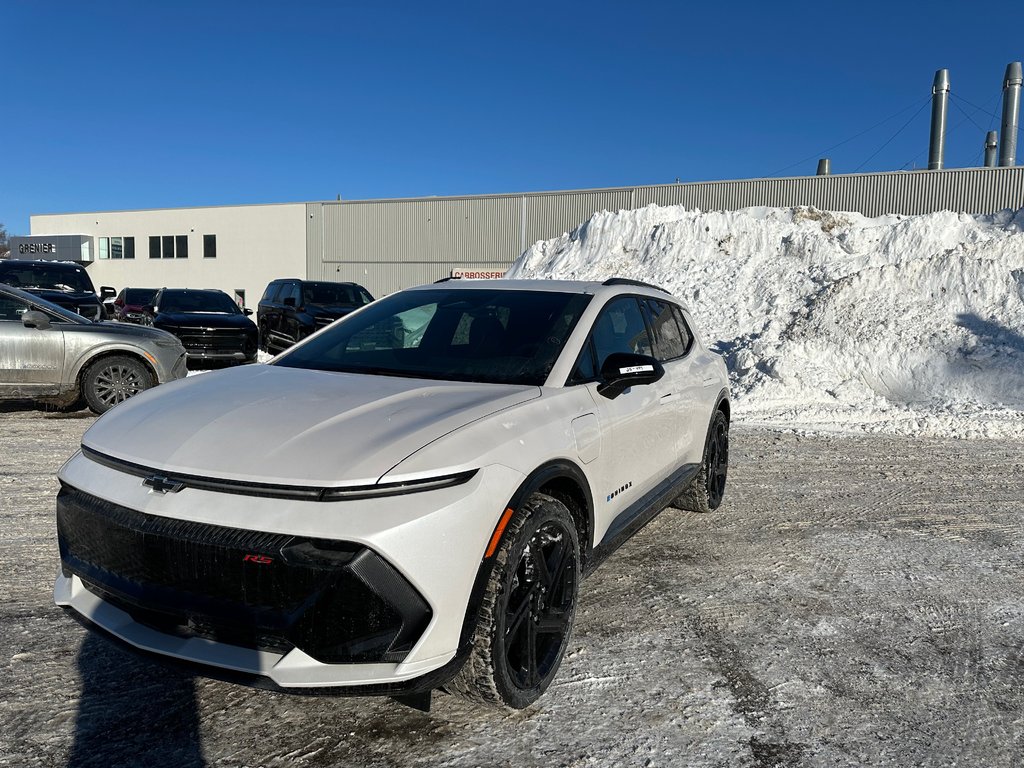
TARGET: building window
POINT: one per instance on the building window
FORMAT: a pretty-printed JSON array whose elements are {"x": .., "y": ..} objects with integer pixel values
[
  {"x": 209, "y": 246},
  {"x": 182, "y": 243},
  {"x": 104, "y": 248},
  {"x": 129, "y": 247},
  {"x": 116, "y": 247},
  {"x": 168, "y": 246},
  {"x": 154, "y": 247}
]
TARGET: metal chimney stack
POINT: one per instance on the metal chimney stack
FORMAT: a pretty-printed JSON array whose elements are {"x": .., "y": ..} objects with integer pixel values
[
  {"x": 1011, "y": 113},
  {"x": 990, "y": 149},
  {"x": 940, "y": 105},
  {"x": 824, "y": 167}
]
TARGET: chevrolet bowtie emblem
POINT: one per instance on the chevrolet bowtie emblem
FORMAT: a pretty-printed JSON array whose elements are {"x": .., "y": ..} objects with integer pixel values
[{"x": 163, "y": 484}]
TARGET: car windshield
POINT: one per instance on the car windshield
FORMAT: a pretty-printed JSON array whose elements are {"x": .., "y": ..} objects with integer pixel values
[
  {"x": 13, "y": 305},
  {"x": 56, "y": 277},
  {"x": 198, "y": 301},
  {"x": 335, "y": 295},
  {"x": 482, "y": 335},
  {"x": 139, "y": 296}
]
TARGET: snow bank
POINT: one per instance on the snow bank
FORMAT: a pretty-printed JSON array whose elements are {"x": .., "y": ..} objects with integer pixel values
[{"x": 834, "y": 321}]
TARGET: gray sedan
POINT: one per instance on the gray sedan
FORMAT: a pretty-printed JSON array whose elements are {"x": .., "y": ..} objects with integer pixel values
[{"x": 52, "y": 354}]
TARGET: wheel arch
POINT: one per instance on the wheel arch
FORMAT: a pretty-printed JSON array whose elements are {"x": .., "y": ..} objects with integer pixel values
[
  {"x": 722, "y": 404},
  {"x": 87, "y": 362},
  {"x": 561, "y": 479}
]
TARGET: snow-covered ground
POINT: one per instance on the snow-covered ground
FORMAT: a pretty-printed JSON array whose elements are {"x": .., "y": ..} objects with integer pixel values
[{"x": 833, "y": 321}]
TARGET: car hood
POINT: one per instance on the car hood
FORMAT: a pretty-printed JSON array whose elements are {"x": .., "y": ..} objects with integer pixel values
[
  {"x": 202, "y": 320},
  {"x": 272, "y": 424}
]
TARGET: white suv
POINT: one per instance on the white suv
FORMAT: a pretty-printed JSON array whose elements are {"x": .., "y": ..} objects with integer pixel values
[{"x": 407, "y": 500}]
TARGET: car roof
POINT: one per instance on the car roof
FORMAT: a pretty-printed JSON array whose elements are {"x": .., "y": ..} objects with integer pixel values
[
  {"x": 612, "y": 286},
  {"x": 38, "y": 262},
  {"x": 192, "y": 290}
]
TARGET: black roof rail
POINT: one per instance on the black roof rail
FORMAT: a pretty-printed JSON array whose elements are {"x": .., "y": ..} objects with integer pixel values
[
  {"x": 446, "y": 279},
  {"x": 627, "y": 281}
]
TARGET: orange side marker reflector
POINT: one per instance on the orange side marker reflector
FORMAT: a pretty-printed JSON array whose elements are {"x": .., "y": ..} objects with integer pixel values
[{"x": 493, "y": 546}]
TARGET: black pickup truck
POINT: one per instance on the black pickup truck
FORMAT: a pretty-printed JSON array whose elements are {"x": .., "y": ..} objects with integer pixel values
[{"x": 61, "y": 282}]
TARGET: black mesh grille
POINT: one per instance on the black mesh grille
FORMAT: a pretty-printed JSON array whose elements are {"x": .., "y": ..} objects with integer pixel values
[
  {"x": 337, "y": 601},
  {"x": 214, "y": 340}
]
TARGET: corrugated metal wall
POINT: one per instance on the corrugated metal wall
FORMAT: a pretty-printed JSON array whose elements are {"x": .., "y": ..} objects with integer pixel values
[{"x": 391, "y": 244}]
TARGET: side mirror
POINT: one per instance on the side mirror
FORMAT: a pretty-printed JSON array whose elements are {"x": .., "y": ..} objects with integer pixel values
[
  {"x": 247, "y": 311},
  {"x": 35, "y": 319},
  {"x": 622, "y": 370},
  {"x": 290, "y": 301},
  {"x": 106, "y": 292}
]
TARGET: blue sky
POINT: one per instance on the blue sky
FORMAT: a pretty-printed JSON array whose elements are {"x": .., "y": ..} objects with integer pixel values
[{"x": 143, "y": 105}]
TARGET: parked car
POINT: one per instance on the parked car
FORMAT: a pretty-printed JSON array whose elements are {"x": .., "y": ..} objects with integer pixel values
[
  {"x": 210, "y": 325},
  {"x": 50, "y": 353},
  {"x": 292, "y": 309},
  {"x": 130, "y": 305},
  {"x": 390, "y": 512},
  {"x": 60, "y": 282}
]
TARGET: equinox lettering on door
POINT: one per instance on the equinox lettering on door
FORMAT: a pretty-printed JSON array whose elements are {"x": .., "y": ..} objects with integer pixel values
[{"x": 621, "y": 489}]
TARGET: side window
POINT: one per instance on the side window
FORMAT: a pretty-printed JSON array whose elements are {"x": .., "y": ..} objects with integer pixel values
[
  {"x": 12, "y": 308},
  {"x": 291, "y": 291},
  {"x": 620, "y": 328},
  {"x": 586, "y": 368},
  {"x": 668, "y": 340},
  {"x": 684, "y": 330},
  {"x": 268, "y": 295}
]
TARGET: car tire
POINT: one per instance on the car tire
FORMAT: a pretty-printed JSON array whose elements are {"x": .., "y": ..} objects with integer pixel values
[
  {"x": 705, "y": 491},
  {"x": 112, "y": 380},
  {"x": 527, "y": 612},
  {"x": 262, "y": 340}
]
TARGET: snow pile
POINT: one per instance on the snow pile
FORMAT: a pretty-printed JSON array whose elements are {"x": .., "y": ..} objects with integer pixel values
[{"x": 833, "y": 321}]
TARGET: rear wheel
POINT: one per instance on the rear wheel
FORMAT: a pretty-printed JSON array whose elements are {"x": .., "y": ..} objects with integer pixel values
[
  {"x": 112, "y": 380},
  {"x": 706, "y": 490},
  {"x": 528, "y": 608}
]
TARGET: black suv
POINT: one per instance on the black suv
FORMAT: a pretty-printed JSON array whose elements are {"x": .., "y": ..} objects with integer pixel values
[
  {"x": 291, "y": 309},
  {"x": 60, "y": 282},
  {"x": 211, "y": 326}
]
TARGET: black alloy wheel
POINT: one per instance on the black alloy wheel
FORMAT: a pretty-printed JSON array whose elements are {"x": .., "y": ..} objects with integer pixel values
[
  {"x": 528, "y": 609},
  {"x": 113, "y": 380},
  {"x": 539, "y": 607},
  {"x": 717, "y": 462},
  {"x": 706, "y": 490}
]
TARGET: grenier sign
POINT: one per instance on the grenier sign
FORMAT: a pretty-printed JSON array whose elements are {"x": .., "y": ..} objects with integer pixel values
[
  {"x": 53, "y": 247},
  {"x": 26, "y": 249}
]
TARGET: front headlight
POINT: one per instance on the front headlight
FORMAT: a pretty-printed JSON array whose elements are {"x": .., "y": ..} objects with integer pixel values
[{"x": 171, "y": 342}]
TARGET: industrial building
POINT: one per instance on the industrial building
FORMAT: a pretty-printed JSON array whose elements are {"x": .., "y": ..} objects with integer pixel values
[{"x": 387, "y": 245}]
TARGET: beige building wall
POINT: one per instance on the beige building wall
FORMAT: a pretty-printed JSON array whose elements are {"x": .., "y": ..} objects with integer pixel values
[{"x": 255, "y": 244}]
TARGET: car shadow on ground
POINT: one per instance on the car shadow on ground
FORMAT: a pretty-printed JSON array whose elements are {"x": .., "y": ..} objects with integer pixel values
[
  {"x": 46, "y": 410},
  {"x": 133, "y": 711}
]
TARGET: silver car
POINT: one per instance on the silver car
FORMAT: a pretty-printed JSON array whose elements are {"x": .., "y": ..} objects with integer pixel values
[{"x": 52, "y": 354}]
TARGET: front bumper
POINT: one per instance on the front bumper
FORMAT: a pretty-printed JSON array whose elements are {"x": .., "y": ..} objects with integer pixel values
[
  {"x": 338, "y": 602},
  {"x": 155, "y": 571}
]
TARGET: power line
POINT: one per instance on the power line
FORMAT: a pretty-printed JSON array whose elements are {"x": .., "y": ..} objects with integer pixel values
[
  {"x": 980, "y": 109},
  {"x": 845, "y": 141},
  {"x": 923, "y": 105},
  {"x": 957, "y": 105}
]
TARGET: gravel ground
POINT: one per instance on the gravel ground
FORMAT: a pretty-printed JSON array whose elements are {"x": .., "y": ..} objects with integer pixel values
[{"x": 857, "y": 601}]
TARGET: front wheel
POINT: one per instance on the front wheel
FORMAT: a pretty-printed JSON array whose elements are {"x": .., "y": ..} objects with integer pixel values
[
  {"x": 528, "y": 608},
  {"x": 705, "y": 491},
  {"x": 112, "y": 380}
]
